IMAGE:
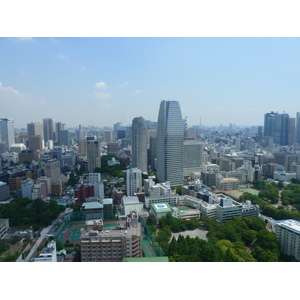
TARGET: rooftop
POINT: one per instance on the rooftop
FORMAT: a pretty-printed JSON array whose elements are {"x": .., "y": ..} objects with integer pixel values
[
  {"x": 161, "y": 207},
  {"x": 294, "y": 225}
]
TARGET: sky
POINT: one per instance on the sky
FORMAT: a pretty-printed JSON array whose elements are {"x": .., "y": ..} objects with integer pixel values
[{"x": 103, "y": 80}]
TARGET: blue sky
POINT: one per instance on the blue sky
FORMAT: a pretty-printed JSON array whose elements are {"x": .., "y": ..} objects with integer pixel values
[{"x": 101, "y": 81}]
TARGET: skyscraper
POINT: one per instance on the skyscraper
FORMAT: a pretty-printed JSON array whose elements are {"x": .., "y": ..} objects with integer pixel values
[
  {"x": 170, "y": 143},
  {"x": 139, "y": 144},
  {"x": 7, "y": 132},
  {"x": 49, "y": 130},
  {"x": 93, "y": 155},
  {"x": 34, "y": 129},
  {"x": 297, "y": 132}
]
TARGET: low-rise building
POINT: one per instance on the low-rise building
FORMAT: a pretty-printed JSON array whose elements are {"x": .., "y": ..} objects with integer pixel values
[
  {"x": 288, "y": 234},
  {"x": 159, "y": 210},
  {"x": 48, "y": 254}
]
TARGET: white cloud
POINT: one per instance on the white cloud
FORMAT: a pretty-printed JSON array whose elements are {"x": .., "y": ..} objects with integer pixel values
[
  {"x": 137, "y": 92},
  {"x": 124, "y": 84},
  {"x": 101, "y": 85},
  {"x": 61, "y": 56},
  {"x": 10, "y": 95}
]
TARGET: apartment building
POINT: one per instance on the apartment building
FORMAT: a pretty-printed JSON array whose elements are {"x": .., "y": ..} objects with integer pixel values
[{"x": 112, "y": 244}]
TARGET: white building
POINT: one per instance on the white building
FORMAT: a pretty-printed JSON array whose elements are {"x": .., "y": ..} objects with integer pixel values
[
  {"x": 131, "y": 203},
  {"x": 26, "y": 188},
  {"x": 133, "y": 181},
  {"x": 48, "y": 254},
  {"x": 283, "y": 176},
  {"x": 288, "y": 234}
]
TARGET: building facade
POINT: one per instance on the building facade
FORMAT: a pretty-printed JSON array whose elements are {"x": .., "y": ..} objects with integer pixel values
[
  {"x": 139, "y": 144},
  {"x": 170, "y": 137}
]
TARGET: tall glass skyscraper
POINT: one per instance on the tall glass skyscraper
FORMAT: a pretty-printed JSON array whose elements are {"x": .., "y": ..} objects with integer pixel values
[
  {"x": 170, "y": 139},
  {"x": 139, "y": 144},
  {"x": 7, "y": 132}
]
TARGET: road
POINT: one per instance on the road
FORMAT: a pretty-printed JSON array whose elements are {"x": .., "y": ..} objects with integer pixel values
[{"x": 43, "y": 234}]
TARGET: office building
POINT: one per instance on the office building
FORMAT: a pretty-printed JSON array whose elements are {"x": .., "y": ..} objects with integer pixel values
[
  {"x": 34, "y": 129},
  {"x": 82, "y": 146},
  {"x": 112, "y": 244},
  {"x": 153, "y": 152},
  {"x": 49, "y": 129},
  {"x": 64, "y": 137},
  {"x": 93, "y": 155},
  {"x": 112, "y": 148},
  {"x": 139, "y": 144},
  {"x": 7, "y": 132},
  {"x": 288, "y": 235},
  {"x": 297, "y": 130},
  {"x": 170, "y": 143},
  {"x": 52, "y": 170},
  {"x": 108, "y": 136},
  {"x": 133, "y": 181},
  {"x": 35, "y": 142}
]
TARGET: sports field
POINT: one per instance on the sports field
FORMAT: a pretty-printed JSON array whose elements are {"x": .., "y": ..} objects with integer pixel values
[{"x": 238, "y": 193}]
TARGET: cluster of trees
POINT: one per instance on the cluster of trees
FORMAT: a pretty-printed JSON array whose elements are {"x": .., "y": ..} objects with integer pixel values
[
  {"x": 237, "y": 240},
  {"x": 269, "y": 210},
  {"x": 177, "y": 225},
  {"x": 115, "y": 171},
  {"x": 291, "y": 195},
  {"x": 24, "y": 212}
]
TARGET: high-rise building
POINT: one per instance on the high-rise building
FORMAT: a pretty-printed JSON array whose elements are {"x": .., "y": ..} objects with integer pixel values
[
  {"x": 170, "y": 143},
  {"x": 297, "y": 132},
  {"x": 139, "y": 144},
  {"x": 269, "y": 124},
  {"x": 7, "y": 132},
  {"x": 133, "y": 181},
  {"x": 35, "y": 142},
  {"x": 52, "y": 170},
  {"x": 291, "y": 131},
  {"x": 49, "y": 130},
  {"x": 93, "y": 155},
  {"x": 108, "y": 136},
  {"x": 34, "y": 129},
  {"x": 64, "y": 137}
]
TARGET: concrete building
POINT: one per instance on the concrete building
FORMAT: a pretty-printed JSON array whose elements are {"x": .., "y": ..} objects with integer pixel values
[
  {"x": 34, "y": 129},
  {"x": 17, "y": 147},
  {"x": 288, "y": 234},
  {"x": 49, "y": 130},
  {"x": 82, "y": 146},
  {"x": 7, "y": 132},
  {"x": 4, "y": 191},
  {"x": 227, "y": 184},
  {"x": 159, "y": 210},
  {"x": 4, "y": 226},
  {"x": 192, "y": 156},
  {"x": 250, "y": 210},
  {"x": 133, "y": 181},
  {"x": 112, "y": 244},
  {"x": 92, "y": 210},
  {"x": 139, "y": 144},
  {"x": 93, "y": 155},
  {"x": 112, "y": 148},
  {"x": 35, "y": 142},
  {"x": 283, "y": 176},
  {"x": 172, "y": 200},
  {"x": 52, "y": 170},
  {"x": 48, "y": 254},
  {"x": 29, "y": 156},
  {"x": 131, "y": 203},
  {"x": 185, "y": 214},
  {"x": 108, "y": 136},
  {"x": 170, "y": 137},
  {"x": 227, "y": 208}
]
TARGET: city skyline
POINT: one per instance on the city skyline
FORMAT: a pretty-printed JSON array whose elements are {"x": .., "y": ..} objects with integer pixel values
[{"x": 101, "y": 81}]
